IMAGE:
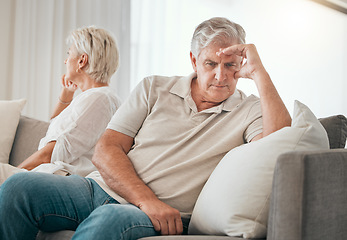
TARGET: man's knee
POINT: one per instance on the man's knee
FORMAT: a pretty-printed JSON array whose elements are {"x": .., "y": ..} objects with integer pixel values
[
  {"x": 20, "y": 187},
  {"x": 15, "y": 184},
  {"x": 118, "y": 221}
]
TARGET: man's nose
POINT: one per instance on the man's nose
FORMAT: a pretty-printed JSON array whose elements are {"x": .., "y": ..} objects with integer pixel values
[{"x": 220, "y": 73}]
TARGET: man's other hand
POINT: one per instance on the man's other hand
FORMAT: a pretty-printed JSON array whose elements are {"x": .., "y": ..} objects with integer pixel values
[{"x": 165, "y": 219}]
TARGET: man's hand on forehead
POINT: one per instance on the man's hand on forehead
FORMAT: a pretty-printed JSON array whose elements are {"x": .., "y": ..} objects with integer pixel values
[
  {"x": 229, "y": 56},
  {"x": 252, "y": 65},
  {"x": 238, "y": 50}
]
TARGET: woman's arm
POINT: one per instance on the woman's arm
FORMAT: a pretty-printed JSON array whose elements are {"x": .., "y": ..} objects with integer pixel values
[
  {"x": 41, "y": 156},
  {"x": 66, "y": 96}
]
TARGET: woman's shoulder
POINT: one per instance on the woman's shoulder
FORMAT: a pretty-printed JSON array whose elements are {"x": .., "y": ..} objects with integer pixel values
[{"x": 99, "y": 94}]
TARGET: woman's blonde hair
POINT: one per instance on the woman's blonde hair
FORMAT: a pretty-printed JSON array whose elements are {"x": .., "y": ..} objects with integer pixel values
[{"x": 102, "y": 51}]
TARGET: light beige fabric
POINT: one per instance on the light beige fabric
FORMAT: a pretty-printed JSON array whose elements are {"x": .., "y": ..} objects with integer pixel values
[
  {"x": 7, "y": 170},
  {"x": 176, "y": 147},
  {"x": 9, "y": 117}
]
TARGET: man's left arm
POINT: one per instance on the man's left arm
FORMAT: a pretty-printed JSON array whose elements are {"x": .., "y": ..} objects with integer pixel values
[{"x": 274, "y": 112}]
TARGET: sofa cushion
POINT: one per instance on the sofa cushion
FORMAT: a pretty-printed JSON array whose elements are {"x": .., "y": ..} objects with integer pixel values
[
  {"x": 10, "y": 112},
  {"x": 27, "y": 139},
  {"x": 235, "y": 199},
  {"x": 336, "y": 127},
  {"x": 192, "y": 237}
]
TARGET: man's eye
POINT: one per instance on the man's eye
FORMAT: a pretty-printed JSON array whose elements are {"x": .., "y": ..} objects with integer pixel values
[
  {"x": 230, "y": 65},
  {"x": 212, "y": 64}
]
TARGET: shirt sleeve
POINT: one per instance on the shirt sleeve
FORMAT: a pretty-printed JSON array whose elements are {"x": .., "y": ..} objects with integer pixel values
[
  {"x": 133, "y": 112},
  {"x": 89, "y": 120},
  {"x": 255, "y": 120}
]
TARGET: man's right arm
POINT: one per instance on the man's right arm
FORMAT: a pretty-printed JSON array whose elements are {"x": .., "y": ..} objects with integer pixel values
[{"x": 115, "y": 167}]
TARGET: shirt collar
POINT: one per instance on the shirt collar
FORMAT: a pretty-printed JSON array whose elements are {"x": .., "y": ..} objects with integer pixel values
[{"x": 182, "y": 89}]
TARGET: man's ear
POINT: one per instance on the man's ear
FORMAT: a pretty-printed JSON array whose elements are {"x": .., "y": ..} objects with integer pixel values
[
  {"x": 193, "y": 61},
  {"x": 83, "y": 60}
]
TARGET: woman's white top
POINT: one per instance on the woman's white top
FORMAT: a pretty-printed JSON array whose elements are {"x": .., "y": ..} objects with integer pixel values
[{"x": 77, "y": 129}]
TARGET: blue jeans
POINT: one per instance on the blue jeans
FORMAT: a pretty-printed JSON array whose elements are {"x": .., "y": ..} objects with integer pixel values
[{"x": 30, "y": 202}]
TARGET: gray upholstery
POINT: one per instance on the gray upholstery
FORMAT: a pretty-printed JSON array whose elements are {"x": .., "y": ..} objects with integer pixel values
[
  {"x": 192, "y": 237},
  {"x": 61, "y": 235},
  {"x": 309, "y": 198},
  {"x": 336, "y": 127},
  {"x": 27, "y": 138},
  {"x": 68, "y": 234}
]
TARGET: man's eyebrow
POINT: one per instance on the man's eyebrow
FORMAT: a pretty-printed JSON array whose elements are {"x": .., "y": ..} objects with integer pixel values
[{"x": 209, "y": 60}]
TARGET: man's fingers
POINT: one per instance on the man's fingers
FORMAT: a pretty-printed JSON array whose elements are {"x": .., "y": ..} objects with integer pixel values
[
  {"x": 156, "y": 224},
  {"x": 164, "y": 228},
  {"x": 172, "y": 227},
  {"x": 164, "y": 218},
  {"x": 234, "y": 49},
  {"x": 179, "y": 226},
  {"x": 168, "y": 227}
]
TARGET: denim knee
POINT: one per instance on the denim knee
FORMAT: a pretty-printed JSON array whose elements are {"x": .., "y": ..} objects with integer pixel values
[
  {"x": 17, "y": 199},
  {"x": 15, "y": 188},
  {"x": 116, "y": 221}
]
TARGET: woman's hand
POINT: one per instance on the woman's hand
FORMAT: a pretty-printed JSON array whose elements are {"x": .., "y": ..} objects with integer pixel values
[
  {"x": 65, "y": 97},
  {"x": 68, "y": 85}
]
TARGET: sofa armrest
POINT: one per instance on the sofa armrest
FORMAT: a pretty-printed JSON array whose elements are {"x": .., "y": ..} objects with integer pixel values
[{"x": 309, "y": 196}]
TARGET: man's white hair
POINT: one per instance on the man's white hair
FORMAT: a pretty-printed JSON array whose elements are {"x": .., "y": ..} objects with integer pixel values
[
  {"x": 102, "y": 51},
  {"x": 216, "y": 30}
]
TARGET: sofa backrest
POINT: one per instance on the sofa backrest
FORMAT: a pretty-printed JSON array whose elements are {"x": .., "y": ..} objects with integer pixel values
[
  {"x": 27, "y": 139},
  {"x": 336, "y": 127},
  {"x": 30, "y": 131}
]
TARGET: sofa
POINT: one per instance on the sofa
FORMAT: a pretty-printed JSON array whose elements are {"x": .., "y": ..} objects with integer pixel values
[{"x": 309, "y": 190}]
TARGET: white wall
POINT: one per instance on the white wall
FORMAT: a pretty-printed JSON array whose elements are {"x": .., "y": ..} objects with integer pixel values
[
  {"x": 6, "y": 26},
  {"x": 302, "y": 44}
]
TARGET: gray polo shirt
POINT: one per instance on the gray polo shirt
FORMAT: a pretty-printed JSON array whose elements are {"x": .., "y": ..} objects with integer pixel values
[{"x": 176, "y": 147}]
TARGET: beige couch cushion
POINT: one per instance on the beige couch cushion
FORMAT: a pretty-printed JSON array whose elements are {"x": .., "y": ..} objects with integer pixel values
[{"x": 10, "y": 112}]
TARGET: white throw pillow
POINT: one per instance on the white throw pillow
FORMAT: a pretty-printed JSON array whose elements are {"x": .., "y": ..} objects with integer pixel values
[
  {"x": 235, "y": 199},
  {"x": 10, "y": 112}
]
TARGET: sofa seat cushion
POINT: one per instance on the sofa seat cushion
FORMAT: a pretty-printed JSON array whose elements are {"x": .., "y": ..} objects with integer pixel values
[{"x": 195, "y": 237}]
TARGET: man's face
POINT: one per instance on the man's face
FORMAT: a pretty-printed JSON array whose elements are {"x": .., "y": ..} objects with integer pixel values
[{"x": 215, "y": 74}]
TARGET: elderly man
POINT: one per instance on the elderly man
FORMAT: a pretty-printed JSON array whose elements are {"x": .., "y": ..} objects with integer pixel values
[{"x": 158, "y": 151}]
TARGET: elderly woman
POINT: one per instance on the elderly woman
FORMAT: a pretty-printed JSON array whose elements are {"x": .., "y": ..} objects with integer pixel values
[{"x": 77, "y": 123}]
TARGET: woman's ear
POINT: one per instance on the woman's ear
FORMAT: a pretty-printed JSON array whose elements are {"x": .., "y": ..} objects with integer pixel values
[
  {"x": 83, "y": 60},
  {"x": 193, "y": 61}
]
